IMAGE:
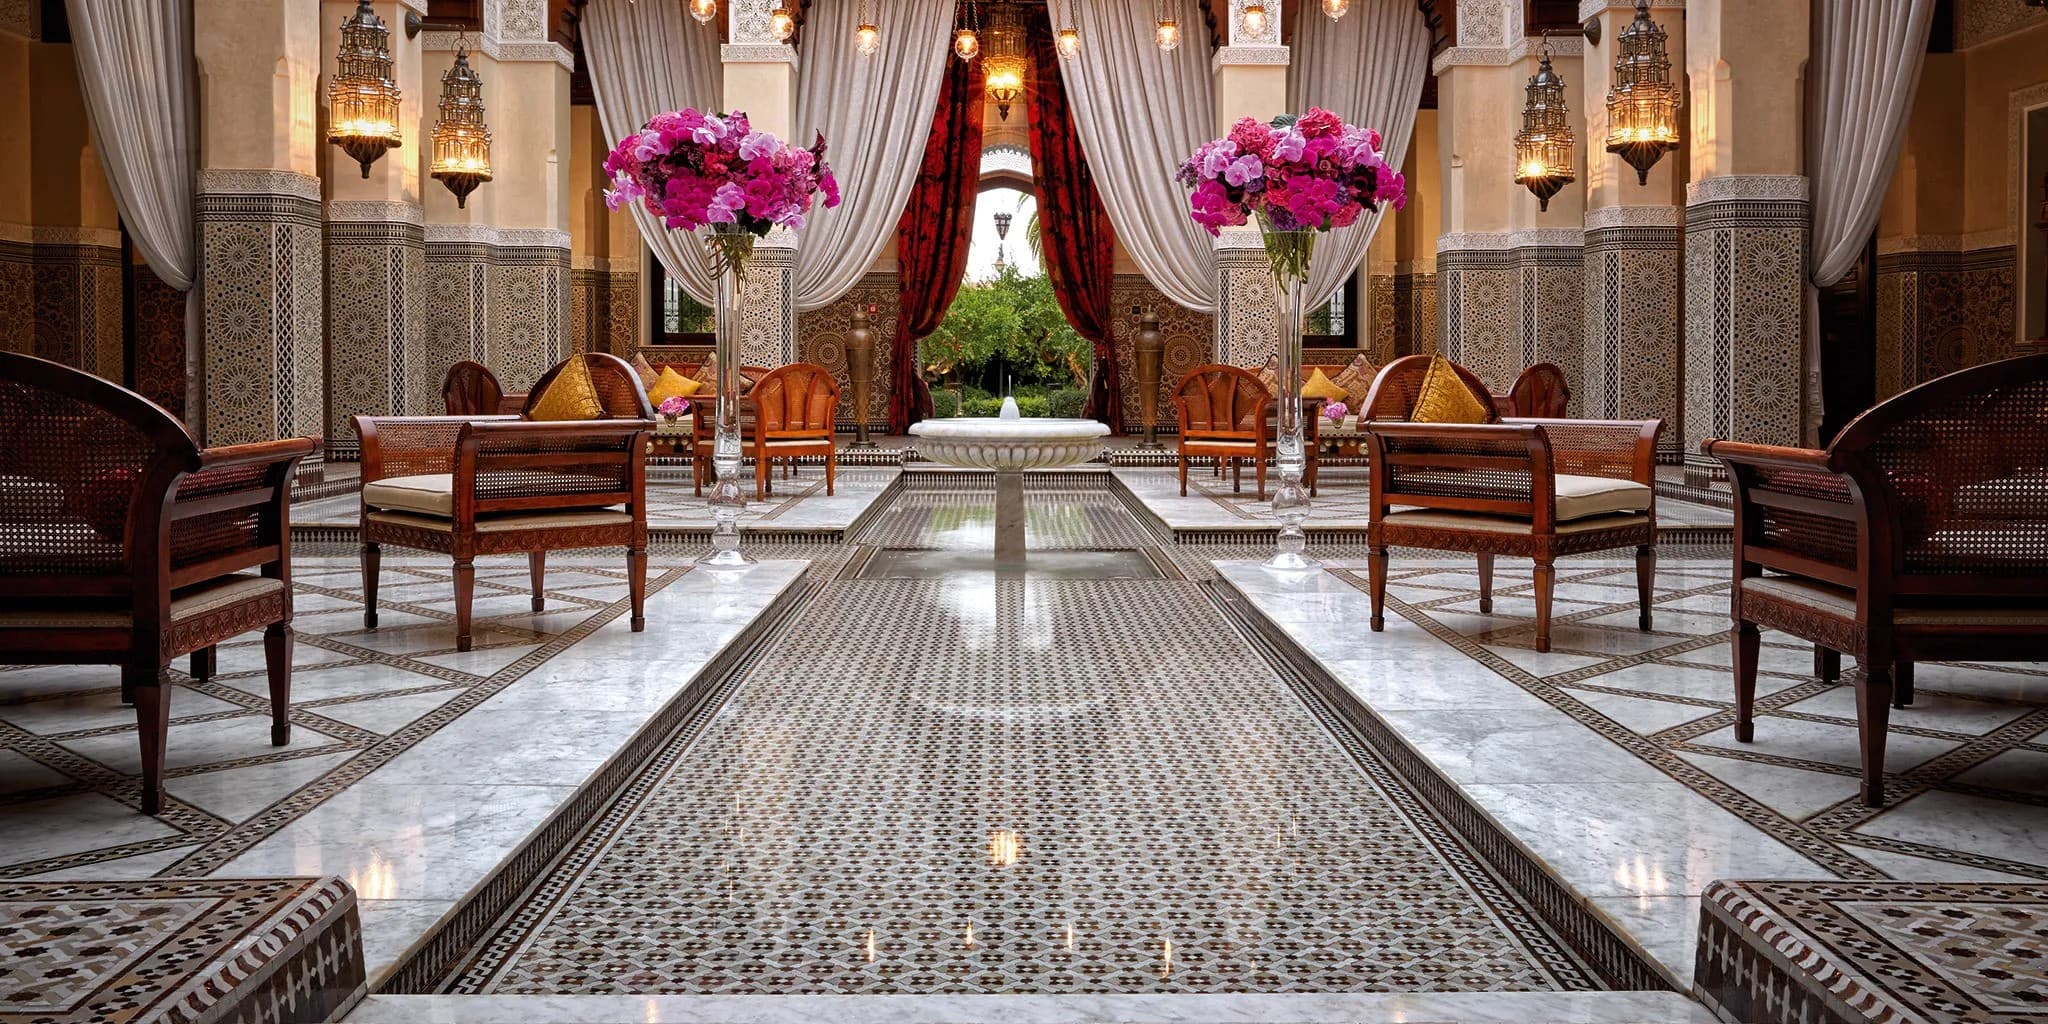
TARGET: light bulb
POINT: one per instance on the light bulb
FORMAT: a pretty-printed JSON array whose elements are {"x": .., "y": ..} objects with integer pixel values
[
  {"x": 1255, "y": 20},
  {"x": 966, "y": 44},
  {"x": 867, "y": 39},
  {"x": 1168, "y": 34},
  {"x": 781, "y": 23},
  {"x": 703, "y": 10},
  {"x": 1336, "y": 8},
  {"x": 1069, "y": 42}
]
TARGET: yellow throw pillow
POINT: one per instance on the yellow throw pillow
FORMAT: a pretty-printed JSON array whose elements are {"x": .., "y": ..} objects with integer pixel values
[
  {"x": 672, "y": 385},
  {"x": 1445, "y": 397},
  {"x": 1356, "y": 380},
  {"x": 570, "y": 396},
  {"x": 1319, "y": 386}
]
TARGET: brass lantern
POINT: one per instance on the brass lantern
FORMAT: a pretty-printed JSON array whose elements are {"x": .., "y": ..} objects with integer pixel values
[
  {"x": 1069, "y": 39},
  {"x": 362, "y": 100},
  {"x": 1336, "y": 9},
  {"x": 1642, "y": 106},
  {"x": 781, "y": 22},
  {"x": 966, "y": 41},
  {"x": 1543, "y": 148},
  {"x": 462, "y": 142},
  {"x": 703, "y": 10},
  {"x": 1006, "y": 67}
]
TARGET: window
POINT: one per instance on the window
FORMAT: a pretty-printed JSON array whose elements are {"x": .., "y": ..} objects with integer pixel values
[
  {"x": 678, "y": 318},
  {"x": 1335, "y": 323}
]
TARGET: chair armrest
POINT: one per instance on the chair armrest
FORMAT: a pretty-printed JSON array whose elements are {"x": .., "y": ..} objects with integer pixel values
[
  {"x": 289, "y": 449},
  {"x": 1496, "y": 468},
  {"x": 1617, "y": 449},
  {"x": 1735, "y": 453},
  {"x": 514, "y": 465},
  {"x": 233, "y": 512},
  {"x": 395, "y": 446},
  {"x": 1794, "y": 512}
]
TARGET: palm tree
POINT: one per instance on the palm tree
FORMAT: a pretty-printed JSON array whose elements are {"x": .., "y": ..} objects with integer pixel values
[{"x": 1032, "y": 237}]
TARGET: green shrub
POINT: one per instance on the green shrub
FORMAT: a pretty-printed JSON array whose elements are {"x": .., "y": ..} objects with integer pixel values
[
  {"x": 1066, "y": 403},
  {"x": 981, "y": 407},
  {"x": 1033, "y": 405},
  {"x": 945, "y": 404}
]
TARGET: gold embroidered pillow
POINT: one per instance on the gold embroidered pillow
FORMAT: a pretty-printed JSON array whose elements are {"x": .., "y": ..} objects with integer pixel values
[
  {"x": 572, "y": 395},
  {"x": 645, "y": 369},
  {"x": 672, "y": 385},
  {"x": 707, "y": 374},
  {"x": 1269, "y": 375},
  {"x": 1320, "y": 386},
  {"x": 1356, "y": 380},
  {"x": 1445, "y": 397}
]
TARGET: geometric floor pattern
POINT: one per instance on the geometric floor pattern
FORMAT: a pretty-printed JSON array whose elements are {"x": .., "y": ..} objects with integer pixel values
[{"x": 962, "y": 784}]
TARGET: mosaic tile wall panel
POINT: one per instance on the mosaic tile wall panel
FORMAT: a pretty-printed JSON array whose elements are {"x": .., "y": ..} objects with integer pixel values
[
  {"x": 160, "y": 341},
  {"x": 1189, "y": 337},
  {"x": 529, "y": 312},
  {"x": 1551, "y": 298},
  {"x": 767, "y": 312},
  {"x": 1939, "y": 312},
  {"x": 261, "y": 257},
  {"x": 458, "y": 312},
  {"x": 1745, "y": 259},
  {"x": 1247, "y": 322},
  {"x": 823, "y": 335},
  {"x": 1982, "y": 21},
  {"x": 1480, "y": 292},
  {"x": 1416, "y": 326},
  {"x": 78, "y": 307},
  {"x": 620, "y": 315},
  {"x": 17, "y": 293},
  {"x": 586, "y": 303},
  {"x": 376, "y": 325},
  {"x": 1631, "y": 330},
  {"x": 1385, "y": 319}
]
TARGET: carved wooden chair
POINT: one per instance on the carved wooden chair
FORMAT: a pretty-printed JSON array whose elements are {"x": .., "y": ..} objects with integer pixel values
[
  {"x": 471, "y": 389},
  {"x": 1539, "y": 489},
  {"x": 471, "y": 486},
  {"x": 1226, "y": 414},
  {"x": 1540, "y": 392},
  {"x": 122, "y": 542},
  {"x": 792, "y": 410},
  {"x": 704, "y": 426},
  {"x": 1921, "y": 534}
]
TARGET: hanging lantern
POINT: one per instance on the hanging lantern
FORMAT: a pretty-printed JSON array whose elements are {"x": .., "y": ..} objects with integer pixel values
[
  {"x": 462, "y": 142},
  {"x": 362, "y": 100},
  {"x": 1642, "y": 107},
  {"x": 966, "y": 41},
  {"x": 1255, "y": 20},
  {"x": 1336, "y": 9},
  {"x": 867, "y": 39},
  {"x": 781, "y": 22},
  {"x": 1068, "y": 41},
  {"x": 1167, "y": 34},
  {"x": 703, "y": 10},
  {"x": 1006, "y": 67},
  {"x": 1543, "y": 148}
]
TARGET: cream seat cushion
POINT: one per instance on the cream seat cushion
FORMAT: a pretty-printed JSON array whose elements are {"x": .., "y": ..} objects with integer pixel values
[
  {"x": 1582, "y": 496},
  {"x": 1841, "y": 602},
  {"x": 191, "y": 602},
  {"x": 1435, "y": 519},
  {"x": 428, "y": 493},
  {"x": 512, "y": 520}
]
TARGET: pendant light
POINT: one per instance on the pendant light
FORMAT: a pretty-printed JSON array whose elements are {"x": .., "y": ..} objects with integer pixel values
[
  {"x": 462, "y": 142},
  {"x": 1167, "y": 32},
  {"x": 1069, "y": 39},
  {"x": 1642, "y": 107},
  {"x": 362, "y": 99},
  {"x": 966, "y": 41},
  {"x": 781, "y": 22},
  {"x": 703, "y": 10},
  {"x": 1543, "y": 148},
  {"x": 867, "y": 39},
  {"x": 1005, "y": 68},
  {"x": 1336, "y": 9}
]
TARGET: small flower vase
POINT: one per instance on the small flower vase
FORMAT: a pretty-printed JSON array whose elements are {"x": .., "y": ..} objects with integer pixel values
[
  {"x": 729, "y": 246},
  {"x": 1288, "y": 252}
]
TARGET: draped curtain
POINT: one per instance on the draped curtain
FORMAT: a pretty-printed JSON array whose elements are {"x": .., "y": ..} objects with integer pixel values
[
  {"x": 937, "y": 227},
  {"x": 135, "y": 67},
  {"x": 646, "y": 59},
  {"x": 1866, "y": 59},
  {"x": 1368, "y": 69},
  {"x": 859, "y": 104},
  {"x": 1073, "y": 225},
  {"x": 1140, "y": 113}
]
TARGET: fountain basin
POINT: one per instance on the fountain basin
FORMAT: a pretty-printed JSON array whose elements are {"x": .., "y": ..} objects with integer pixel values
[{"x": 1009, "y": 445}]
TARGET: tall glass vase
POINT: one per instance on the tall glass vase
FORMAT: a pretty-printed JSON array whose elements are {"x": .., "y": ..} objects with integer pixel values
[
  {"x": 729, "y": 247},
  {"x": 1288, "y": 252}
]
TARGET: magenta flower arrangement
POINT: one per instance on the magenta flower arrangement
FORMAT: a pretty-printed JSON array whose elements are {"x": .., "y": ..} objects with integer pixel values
[
  {"x": 1336, "y": 411},
  {"x": 674, "y": 407},
  {"x": 694, "y": 170}
]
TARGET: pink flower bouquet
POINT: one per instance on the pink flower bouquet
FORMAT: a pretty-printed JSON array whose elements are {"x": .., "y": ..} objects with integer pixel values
[
  {"x": 693, "y": 169},
  {"x": 674, "y": 407},
  {"x": 1336, "y": 411}
]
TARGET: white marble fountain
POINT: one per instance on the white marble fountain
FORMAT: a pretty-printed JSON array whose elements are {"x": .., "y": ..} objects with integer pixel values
[{"x": 1008, "y": 445}]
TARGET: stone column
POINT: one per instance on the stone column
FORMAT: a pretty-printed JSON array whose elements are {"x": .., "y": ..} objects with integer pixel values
[
  {"x": 1747, "y": 218},
  {"x": 1632, "y": 267},
  {"x": 1251, "y": 81},
  {"x": 760, "y": 78},
  {"x": 376, "y": 250},
  {"x": 259, "y": 216}
]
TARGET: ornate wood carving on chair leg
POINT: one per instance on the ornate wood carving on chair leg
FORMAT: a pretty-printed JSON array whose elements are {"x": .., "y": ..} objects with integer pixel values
[
  {"x": 153, "y": 722},
  {"x": 1747, "y": 640},
  {"x": 1646, "y": 583},
  {"x": 1485, "y": 583},
  {"x": 1546, "y": 581},
  {"x": 465, "y": 593},
  {"x": 1873, "y": 719},
  {"x": 536, "y": 566},
  {"x": 277, "y": 664},
  {"x": 1827, "y": 663},
  {"x": 1376, "y": 570},
  {"x": 373, "y": 558}
]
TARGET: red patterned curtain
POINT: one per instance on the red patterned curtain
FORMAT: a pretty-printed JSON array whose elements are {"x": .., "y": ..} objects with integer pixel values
[
  {"x": 1073, "y": 226},
  {"x": 933, "y": 237}
]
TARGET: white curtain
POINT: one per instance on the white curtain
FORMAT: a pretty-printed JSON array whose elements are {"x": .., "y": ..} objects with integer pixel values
[
  {"x": 1140, "y": 113},
  {"x": 646, "y": 59},
  {"x": 1866, "y": 59},
  {"x": 1368, "y": 69},
  {"x": 135, "y": 64},
  {"x": 876, "y": 113}
]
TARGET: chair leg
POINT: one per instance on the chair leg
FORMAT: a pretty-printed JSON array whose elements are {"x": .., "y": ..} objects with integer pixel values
[
  {"x": 636, "y": 576},
  {"x": 763, "y": 468},
  {"x": 1827, "y": 664},
  {"x": 1902, "y": 685},
  {"x": 536, "y": 567},
  {"x": 1873, "y": 720},
  {"x": 1746, "y": 641},
  {"x": 1237, "y": 476},
  {"x": 1376, "y": 571},
  {"x": 697, "y": 470},
  {"x": 277, "y": 664},
  {"x": 152, "y": 724},
  {"x": 1485, "y": 584},
  {"x": 1183, "y": 476},
  {"x": 1259, "y": 473},
  {"x": 465, "y": 593},
  {"x": 373, "y": 559},
  {"x": 1646, "y": 582},
  {"x": 1546, "y": 581},
  {"x": 203, "y": 661},
  {"x": 831, "y": 470}
]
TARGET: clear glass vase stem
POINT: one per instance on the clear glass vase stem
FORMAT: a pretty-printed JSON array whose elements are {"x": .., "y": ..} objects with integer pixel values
[
  {"x": 1289, "y": 252},
  {"x": 728, "y": 497}
]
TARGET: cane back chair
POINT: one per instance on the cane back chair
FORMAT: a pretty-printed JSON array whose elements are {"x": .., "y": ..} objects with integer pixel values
[
  {"x": 124, "y": 543},
  {"x": 1540, "y": 392},
  {"x": 471, "y": 389},
  {"x": 1227, "y": 414}
]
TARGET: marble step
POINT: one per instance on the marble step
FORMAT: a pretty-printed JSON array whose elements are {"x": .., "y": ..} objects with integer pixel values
[{"x": 1434, "y": 1008}]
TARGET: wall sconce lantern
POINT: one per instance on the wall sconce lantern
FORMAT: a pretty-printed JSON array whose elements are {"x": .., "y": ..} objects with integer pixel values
[
  {"x": 462, "y": 142},
  {"x": 1256, "y": 21},
  {"x": 1543, "y": 148},
  {"x": 1642, "y": 106},
  {"x": 781, "y": 22},
  {"x": 362, "y": 100}
]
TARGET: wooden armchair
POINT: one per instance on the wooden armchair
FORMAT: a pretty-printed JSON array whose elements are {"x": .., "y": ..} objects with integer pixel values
[
  {"x": 1921, "y": 534},
  {"x": 1539, "y": 392},
  {"x": 792, "y": 410},
  {"x": 470, "y": 486},
  {"x": 1539, "y": 489},
  {"x": 471, "y": 389},
  {"x": 1227, "y": 414},
  {"x": 123, "y": 543},
  {"x": 704, "y": 426}
]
